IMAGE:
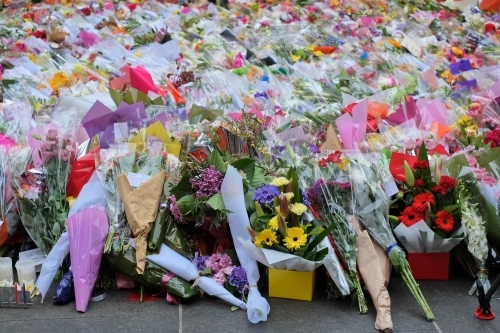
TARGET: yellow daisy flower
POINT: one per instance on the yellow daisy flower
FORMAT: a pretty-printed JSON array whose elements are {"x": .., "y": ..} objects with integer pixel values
[
  {"x": 273, "y": 223},
  {"x": 295, "y": 238},
  {"x": 267, "y": 237}
]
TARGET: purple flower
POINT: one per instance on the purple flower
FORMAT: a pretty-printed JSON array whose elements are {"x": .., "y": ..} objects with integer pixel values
[
  {"x": 238, "y": 279},
  {"x": 313, "y": 148},
  {"x": 174, "y": 209},
  {"x": 217, "y": 262},
  {"x": 199, "y": 261},
  {"x": 265, "y": 195},
  {"x": 305, "y": 198},
  {"x": 208, "y": 183}
]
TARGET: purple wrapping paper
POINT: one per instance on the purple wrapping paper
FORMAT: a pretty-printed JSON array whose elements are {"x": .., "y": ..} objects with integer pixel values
[
  {"x": 87, "y": 232},
  {"x": 405, "y": 112},
  {"x": 470, "y": 84},
  {"x": 97, "y": 118},
  {"x": 134, "y": 115},
  {"x": 460, "y": 66}
]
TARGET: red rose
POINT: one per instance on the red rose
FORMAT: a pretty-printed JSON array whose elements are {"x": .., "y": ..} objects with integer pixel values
[
  {"x": 322, "y": 163},
  {"x": 335, "y": 157}
]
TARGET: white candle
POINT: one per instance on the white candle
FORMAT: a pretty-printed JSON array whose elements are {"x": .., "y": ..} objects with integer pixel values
[
  {"x": 6, "y": 272},
  {"x": 26, "y": 271}
]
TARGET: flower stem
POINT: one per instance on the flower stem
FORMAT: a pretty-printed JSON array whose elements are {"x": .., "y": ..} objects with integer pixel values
[{"x": 363, "y": 308}]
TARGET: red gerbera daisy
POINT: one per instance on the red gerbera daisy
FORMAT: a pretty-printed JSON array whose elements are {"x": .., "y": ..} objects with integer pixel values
[
  {"x": 439, "y": 189},
  {"x": 444, "y": 221},
  {"x": 422, "y": 200},
  {"x": 421, "y": 165},
  {"x": 447, "y": 182},
  {"x": 419, "y": 183},
  {"x": 410, "y": 216}
]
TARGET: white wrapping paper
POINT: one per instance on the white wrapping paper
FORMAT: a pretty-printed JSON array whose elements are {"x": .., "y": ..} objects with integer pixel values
[
  {"x": 177, "y": 264},
  {"x": 232, "y": 193},
  {"x": 419, "y": 238},
  {"x": 91, "y": 194},
  {"x": 279, "y": 260}
]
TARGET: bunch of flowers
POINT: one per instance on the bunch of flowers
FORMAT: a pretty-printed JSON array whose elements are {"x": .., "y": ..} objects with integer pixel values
[
  {"x": 433, "y": 201},
  {"x": 219, "y": 267},
  {"x": 42, "y": 192},
  {"x": 278, "y": 220}
]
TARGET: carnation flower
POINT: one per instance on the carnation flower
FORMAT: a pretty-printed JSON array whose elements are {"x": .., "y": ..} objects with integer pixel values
[
  {"x": 265, "y": 195},
  {"x": 419, "y": 183},
  {"x": 298, "y": 208},
  {"x": 280, "y": 181},
  {"x": 217, "y": 262},
  {"x": 421, "y": 165},
  {"x": 439, "y": 189},
  {"x": 493, "y": 137},
  {"x": 447, "y": 182}
]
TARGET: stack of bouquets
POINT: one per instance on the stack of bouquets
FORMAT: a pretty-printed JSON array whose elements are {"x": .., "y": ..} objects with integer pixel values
[
  {"x": 428, "y": 213},
  {"x": 283, "y": 240},
  {"x": 41, "y": 189}
]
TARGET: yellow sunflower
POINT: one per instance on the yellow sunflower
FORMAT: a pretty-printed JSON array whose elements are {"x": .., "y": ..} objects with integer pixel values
[
  {"x": 267, "y": 237},
  {"x": 295, "y": 238}
]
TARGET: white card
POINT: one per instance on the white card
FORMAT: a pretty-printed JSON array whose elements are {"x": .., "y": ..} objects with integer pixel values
[
  {"x": 411, "y": 46},
  {"x": 121, "y": 132},
  {"x": 390, "y": 186},
  {"x": 136, "y": 179}
]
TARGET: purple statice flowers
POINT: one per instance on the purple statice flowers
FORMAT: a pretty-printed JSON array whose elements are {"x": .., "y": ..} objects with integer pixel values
[
  {"x": 265, "y": 195},
  {"x": 208, "y": 183}
]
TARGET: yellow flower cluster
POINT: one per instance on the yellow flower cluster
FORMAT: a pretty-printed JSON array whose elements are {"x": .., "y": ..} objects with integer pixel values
[{"x": 59, "y": 79}]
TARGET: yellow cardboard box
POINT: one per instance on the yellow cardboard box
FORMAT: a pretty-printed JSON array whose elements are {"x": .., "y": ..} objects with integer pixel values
[{"x": 291, "y": 284}]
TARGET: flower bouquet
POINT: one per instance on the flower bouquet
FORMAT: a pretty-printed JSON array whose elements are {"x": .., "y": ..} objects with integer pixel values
[
  {"x": 429, "y": 216},
  {"x": 281, "y": 237},
  {"x": 372, "y": 208},
  {"x": 41, "y": 193}
]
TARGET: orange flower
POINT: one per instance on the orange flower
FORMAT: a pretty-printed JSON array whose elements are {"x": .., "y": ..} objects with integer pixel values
[
  {"x": 444, "y": 221},
  {"x": 410, "y": 216},
  {"x": 422, "y": 200}
]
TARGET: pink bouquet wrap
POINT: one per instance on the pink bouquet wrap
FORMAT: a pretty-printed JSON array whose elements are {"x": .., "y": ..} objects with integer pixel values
[{"x": 87, "y": 231}]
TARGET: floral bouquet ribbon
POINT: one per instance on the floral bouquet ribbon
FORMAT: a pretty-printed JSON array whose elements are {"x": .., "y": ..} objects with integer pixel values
[{"x": 233, "y": 196}]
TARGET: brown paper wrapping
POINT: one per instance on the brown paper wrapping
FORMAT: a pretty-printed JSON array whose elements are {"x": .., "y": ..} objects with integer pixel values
[
  {"x": 141, "y": 206},
  {"x": 332, "y": 141},
  {"x": 375, "y": 268}
]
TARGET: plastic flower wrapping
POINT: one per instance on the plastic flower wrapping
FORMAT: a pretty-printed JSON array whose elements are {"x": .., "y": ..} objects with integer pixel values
[{"x": 185, "y": 143}]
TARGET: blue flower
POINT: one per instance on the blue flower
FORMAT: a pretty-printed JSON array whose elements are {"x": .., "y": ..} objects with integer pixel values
[
  {"x": 305, "y": 198},
  {"x": 265, "y": 195},
  {"x": 238, "y": 279}
]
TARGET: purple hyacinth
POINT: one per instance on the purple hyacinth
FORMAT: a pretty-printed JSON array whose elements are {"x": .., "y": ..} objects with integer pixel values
[
  {"x": 265, "y": 195},
  {"x": 199, "y": 261},
  {"x": 208, "y": 183},
  {"x": 238, "y": 278}
]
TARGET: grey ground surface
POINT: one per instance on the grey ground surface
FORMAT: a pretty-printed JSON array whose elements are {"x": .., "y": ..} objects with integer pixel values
[{"x": 449, "y": 300}]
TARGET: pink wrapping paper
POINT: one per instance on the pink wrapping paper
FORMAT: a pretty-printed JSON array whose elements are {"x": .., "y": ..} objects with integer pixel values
[
  {"x": 87, "y": 232},
  {"x": 346, "y": 131}
]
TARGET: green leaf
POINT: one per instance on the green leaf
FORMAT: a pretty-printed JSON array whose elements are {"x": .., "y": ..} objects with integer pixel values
[
  {"x": 216, "y": 160},
  {"x": 207, "y": 271},
  {"x": 423, "y": 156},
  {"x": 37, "y": 137},
  {"x": 312, "y": 245},
  {"x": 297, "y": 196},
  {"x": 320, "y": 255},
  {"x": 258, "y": 209},
  {"x": 116, "y": 96},
  {"x": 182, "y": 188},
  {"x": 259, "y": 177},
  {"x": 316, "y": 231},
  {"x": 186, "y": 203},
  {"x": 247, "y": 165},
  {"x": 452, "y": 209},
  {"x": 282, "y": 249},
  {"x": 310, "y": 255},
  {"x": 216, "y": 202},
  {"x": 249, "y": 203}
]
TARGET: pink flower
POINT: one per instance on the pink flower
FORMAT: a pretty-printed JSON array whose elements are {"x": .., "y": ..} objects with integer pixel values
[
  {"x": 45, "y": 147},
  {"x": 228, "y": 270},
  {"x": 218, "y": 262},
  {"x": 409, "y": 144},
  {"x": 65, "y": 155},
  {"x": 46, "y": 156},
  {"x": 52, "y": 134},
  {"x": 471, "y": 160},
  {"x": 220, "y": 278}
]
